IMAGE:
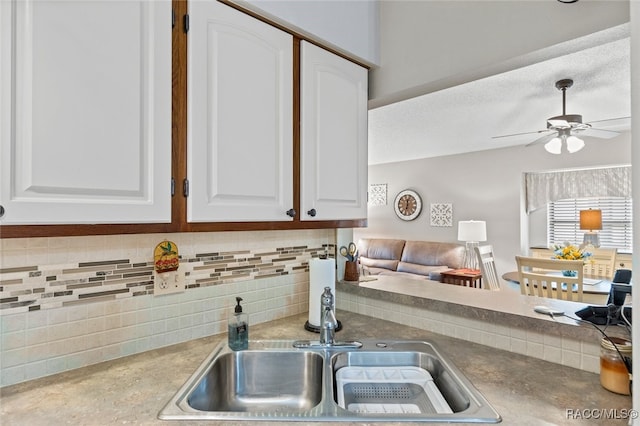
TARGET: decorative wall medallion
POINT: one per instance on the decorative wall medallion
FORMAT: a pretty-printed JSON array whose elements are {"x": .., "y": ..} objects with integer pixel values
[
  {"x": 378, "y": 194},
  {"x": 441, "y": 214},
  {"x": 407, "y": 205}
]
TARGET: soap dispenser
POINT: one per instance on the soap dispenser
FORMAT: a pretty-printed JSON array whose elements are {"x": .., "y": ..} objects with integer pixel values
[{"x": 238, "y": 328}]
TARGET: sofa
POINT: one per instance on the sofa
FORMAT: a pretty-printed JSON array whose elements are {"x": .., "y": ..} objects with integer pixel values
[{"x": 411, "y": 259}]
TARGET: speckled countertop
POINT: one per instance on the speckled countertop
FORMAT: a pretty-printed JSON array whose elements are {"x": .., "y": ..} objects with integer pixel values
[{"x": 132, "y": 390}]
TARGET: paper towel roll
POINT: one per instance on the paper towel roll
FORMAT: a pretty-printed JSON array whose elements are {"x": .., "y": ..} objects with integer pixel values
[{"x": 322, "y": 273}]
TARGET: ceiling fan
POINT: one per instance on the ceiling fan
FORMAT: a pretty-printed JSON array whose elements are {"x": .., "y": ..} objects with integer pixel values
[{"x": 562, "y": 129}]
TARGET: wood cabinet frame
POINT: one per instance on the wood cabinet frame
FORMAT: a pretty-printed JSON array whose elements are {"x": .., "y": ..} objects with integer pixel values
[{"x": 179, "y": 161}]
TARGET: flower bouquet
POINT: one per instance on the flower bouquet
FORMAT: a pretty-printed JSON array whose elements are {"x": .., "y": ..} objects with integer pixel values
[{"x": 568, "y": 251}]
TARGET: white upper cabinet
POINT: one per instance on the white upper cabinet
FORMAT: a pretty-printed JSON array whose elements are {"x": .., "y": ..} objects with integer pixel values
[
  {"x": 240, "y": 109},
  {"x": 333, "y": 136},
  {"x": 85, "y": 110}
]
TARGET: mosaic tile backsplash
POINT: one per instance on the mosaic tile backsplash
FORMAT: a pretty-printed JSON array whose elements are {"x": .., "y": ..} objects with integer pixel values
[
  {"x": 68, "y": 302},
  {"x": 32, "y": 288}
]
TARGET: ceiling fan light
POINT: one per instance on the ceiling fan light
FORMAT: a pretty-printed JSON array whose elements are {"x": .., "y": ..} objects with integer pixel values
[
  {"x": 554, "y": 146},
  {"x": 574, "y": 144}
]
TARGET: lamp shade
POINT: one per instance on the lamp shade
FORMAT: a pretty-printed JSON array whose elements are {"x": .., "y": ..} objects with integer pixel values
[
  {"x": 590, "y": 219},
  {"x": 472, "y": 230}
]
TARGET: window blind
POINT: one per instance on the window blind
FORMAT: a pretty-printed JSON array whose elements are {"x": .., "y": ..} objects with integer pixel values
[{"x": 616, "y": 232}]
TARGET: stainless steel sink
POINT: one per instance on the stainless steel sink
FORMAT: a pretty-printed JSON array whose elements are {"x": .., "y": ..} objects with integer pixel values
[
  {"x": 387, "y": 386},
  {"x": 260, "y": 381},
  {"x": 274, "y": 381}
]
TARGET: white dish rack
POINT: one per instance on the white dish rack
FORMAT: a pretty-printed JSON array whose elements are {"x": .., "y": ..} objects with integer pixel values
[{"x": 392, "y": 390}]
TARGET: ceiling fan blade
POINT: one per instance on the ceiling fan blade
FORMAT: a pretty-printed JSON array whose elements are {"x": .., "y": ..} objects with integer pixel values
[
  {"x": 596, "y": 133},
  {"x": 620, "y": 123},
  {"x": 515, "y": 135},
  {"x": 543, "y": 139}
]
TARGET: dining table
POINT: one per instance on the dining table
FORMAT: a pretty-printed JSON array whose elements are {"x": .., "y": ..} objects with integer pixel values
[{"x": 595, "y": 290}]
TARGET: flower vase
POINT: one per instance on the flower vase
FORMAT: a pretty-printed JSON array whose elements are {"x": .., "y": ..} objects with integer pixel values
[{"x": 569, "y": 273}]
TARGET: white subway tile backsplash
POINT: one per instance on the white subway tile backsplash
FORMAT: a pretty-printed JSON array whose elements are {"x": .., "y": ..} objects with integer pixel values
[
  {"x": 13, "y": 340},
  {"x": 13, "y": 323},
  {"x": 571, "y": 345},
  {"x": 518, "y": 346},
  {"x": 36, "y": 370},
  {"x": 591, "y": 349},
  {"x": 554, "y": 341},
  {"x": 36, "y": 319},
  {"x": 36, "y": 336},
  {"x": 518, "y": 333},
  {"x": 552, "y": 354},
  {"x": 13, "y": 357},
  {"x": 502, "y": 342},
  {"x": 107, "y": 316},
  {"x": 14, "y": 374},
  {"x": 535, "y": 349},
  {"x": 571, "y": 358},
  {"x": 535, "y": 336},
  {"x": 591, "y": 363},
  {"x": 35, "y": 353},
  {"x": 489, "y": 339},
  {"x": 57, "y": 316}
]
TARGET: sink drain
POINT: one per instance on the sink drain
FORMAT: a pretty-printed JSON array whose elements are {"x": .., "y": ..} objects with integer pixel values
[
  {"x": 383, "y": 391},
  {"x": 387, "y": 398}
]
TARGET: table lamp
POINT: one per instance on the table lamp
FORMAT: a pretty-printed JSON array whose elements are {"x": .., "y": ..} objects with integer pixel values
[
  {"x": 591, "y": 220},
  {"x": 471, "y": 232}
]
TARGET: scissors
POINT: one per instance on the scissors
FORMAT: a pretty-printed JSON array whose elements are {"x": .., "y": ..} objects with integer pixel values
[{"x": 350, "y": 253}]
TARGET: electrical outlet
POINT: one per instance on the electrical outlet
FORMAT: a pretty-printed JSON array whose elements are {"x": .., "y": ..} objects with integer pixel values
[{"x": 168, "y": 282}]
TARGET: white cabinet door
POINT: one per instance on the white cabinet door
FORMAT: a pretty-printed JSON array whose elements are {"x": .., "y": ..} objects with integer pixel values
[
  {"x": 333, "y": 136},
  {"x": 85, "y": 109},
  {"x": 240, "y": 108}
]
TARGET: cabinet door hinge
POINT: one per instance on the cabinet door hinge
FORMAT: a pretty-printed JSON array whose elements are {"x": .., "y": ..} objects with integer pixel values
[
  {"x": 185, "y": 188},
  {"x": 173, "y": 186},
  {"x": 186, "y": 23},
  {"x": 173, "y": 18}
]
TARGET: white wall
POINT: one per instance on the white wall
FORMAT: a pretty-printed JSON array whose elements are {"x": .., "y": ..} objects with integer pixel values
[
  {"x": 430, "y": 45},
  {"x": 350, "y": 26},
  {"x": 483, "y": 185}
]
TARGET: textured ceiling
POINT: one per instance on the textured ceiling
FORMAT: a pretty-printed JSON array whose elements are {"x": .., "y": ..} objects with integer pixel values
[{"x": 465, "y": 118}]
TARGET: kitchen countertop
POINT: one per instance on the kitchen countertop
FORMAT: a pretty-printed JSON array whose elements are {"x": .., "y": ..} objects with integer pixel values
[
  {"x": 497, "y": 307},
  {"x": 133, "y": 389}
]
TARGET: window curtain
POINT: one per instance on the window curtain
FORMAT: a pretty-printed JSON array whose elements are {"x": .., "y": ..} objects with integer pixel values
[{"x": 544, "y": 187}]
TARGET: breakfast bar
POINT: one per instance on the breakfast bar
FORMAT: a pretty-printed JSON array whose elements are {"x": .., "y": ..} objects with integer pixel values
[
  {"x": 133, "y": 389},
  {"x": 502, "y": 319}
]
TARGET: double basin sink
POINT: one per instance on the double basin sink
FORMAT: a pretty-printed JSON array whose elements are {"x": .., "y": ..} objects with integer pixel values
[{"x": 380, "y": 381}]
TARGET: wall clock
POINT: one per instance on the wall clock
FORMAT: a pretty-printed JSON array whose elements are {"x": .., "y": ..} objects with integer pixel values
[{"x": 407, "y": 205}]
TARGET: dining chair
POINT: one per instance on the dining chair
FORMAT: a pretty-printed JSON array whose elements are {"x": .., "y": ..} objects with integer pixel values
[
  {"x": 617, "y": 297},
  {"x": 486, "y": 260},
  {"x": 544, "y": 278},
  {"x": 601, "y": 264}
]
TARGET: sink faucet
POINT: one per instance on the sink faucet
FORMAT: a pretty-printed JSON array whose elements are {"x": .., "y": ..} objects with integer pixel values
[
  {"x": 328, "y": 327},
  {"x": 328, "y": 321}
]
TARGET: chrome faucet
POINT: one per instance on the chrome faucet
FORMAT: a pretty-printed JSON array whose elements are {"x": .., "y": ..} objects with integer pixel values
[
  {"x": 328, "y": 327},
  {"x": 328, "y": 322}
]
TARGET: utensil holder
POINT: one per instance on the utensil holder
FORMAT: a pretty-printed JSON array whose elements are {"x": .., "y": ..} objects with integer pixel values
[{"x": 351, "y": 271}]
